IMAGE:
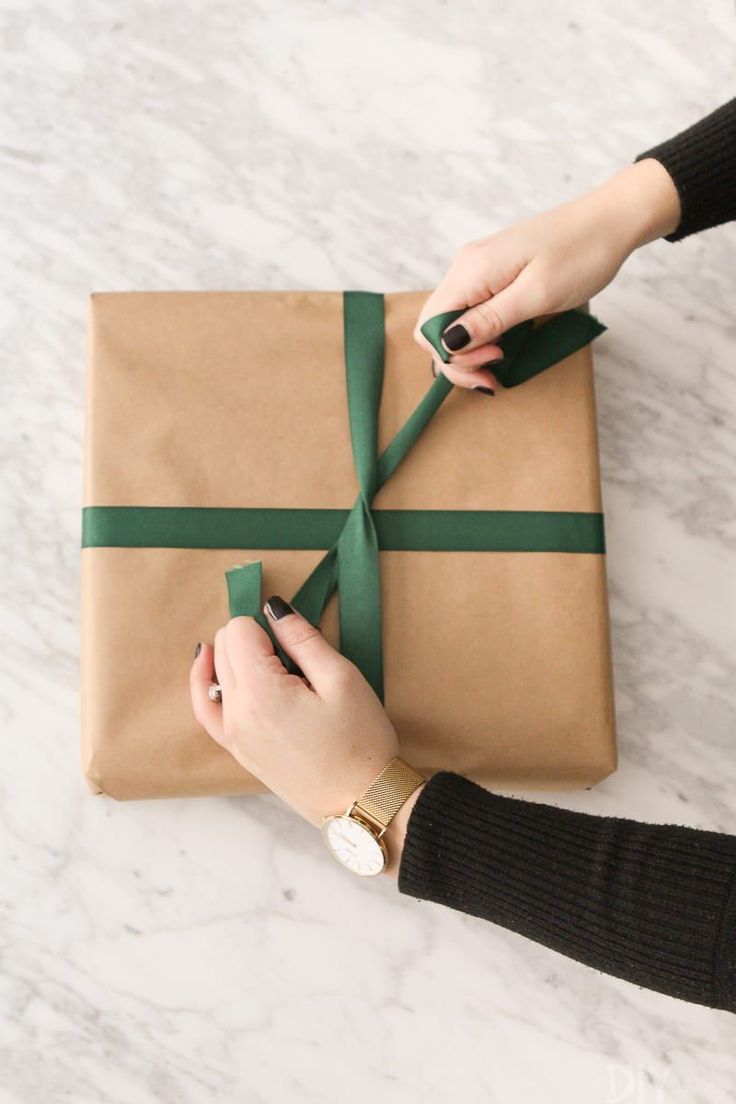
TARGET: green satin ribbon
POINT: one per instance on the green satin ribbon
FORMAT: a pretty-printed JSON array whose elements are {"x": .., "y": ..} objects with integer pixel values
[
  {"x": 398, "y": 530},
  {"x": 353, "y": 537},
  {"x": 528, "y": 349}
]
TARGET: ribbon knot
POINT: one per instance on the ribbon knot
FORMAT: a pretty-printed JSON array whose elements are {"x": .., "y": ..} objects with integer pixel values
[{"x": 352, "y": 563}]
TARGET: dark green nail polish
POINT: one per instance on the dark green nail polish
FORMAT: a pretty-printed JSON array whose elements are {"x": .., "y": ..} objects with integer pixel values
[
  {"x": 485, "y": 390},
  {"x": 277, "y": 607},
  {"x": 198, "y": 649}
]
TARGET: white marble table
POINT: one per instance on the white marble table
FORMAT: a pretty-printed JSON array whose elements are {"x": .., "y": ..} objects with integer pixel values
[{"x": 208, "y": 950}]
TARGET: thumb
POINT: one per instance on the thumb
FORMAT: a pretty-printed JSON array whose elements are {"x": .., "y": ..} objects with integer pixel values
[
  {"x": 303, "y": 643},
  {"x": 484, "y": 323}
]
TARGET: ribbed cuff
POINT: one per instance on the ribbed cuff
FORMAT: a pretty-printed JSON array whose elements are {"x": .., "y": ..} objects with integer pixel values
[
  {"x": 653, "y": 904},
  {"x": 702, "y": 163}
]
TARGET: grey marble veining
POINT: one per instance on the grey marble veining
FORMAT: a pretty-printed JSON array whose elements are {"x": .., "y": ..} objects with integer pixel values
[{"x": 207, "y": 950}]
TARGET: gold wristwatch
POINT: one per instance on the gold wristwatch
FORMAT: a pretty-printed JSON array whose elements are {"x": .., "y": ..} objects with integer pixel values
[{"x": 355, "y": 837}]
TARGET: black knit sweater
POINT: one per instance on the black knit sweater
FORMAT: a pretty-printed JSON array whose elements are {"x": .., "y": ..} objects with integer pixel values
[
  {"x": 702, "y": 163},
  {"x": 652, "y": 903}
]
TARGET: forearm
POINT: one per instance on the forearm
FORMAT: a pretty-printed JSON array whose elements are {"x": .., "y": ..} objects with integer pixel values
[
  {"x": 638, "y": 204},
  {"x": 654, "y": 904}
]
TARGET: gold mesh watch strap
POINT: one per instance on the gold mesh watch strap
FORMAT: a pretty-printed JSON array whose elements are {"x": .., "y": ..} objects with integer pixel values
[{"x": 388, "y": 792}]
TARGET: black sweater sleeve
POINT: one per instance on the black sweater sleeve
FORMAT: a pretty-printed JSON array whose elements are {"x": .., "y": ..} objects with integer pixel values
[
  {"x": 702, "y": 163},
  {"x": 654, "y": 904}
]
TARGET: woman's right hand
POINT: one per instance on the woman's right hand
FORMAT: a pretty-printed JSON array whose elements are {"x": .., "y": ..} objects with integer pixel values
[{"x": 551, "y": 262}]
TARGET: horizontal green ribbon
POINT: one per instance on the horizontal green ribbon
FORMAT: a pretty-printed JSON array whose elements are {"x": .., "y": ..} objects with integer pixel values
[
  {"x": 240, "y": 527},
  {"x": 352, "y": 538}
]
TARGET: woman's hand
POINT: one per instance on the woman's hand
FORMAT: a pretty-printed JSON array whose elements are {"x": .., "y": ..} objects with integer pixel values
[
  {"x": 548, "y": 263},
  {"x": 316, "y": 741}
]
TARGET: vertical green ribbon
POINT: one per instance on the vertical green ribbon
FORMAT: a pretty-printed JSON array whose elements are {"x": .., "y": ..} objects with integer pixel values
[
  {"x": 352, "y": 563},
  {"x": 357, "y": 547}
]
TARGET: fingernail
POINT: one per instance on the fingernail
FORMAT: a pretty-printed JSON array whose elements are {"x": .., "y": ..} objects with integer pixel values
[
  {"x": 457, "y": 337},
  {"x": 198, "y": 649},
  {"x": 434, "y": 369},
  {"x": 277, "y": 607},
  {"x": 490, "y": 363},
  {"x": 485, "y": 390}
]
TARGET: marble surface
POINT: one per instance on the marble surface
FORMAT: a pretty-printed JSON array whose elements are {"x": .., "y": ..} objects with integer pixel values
[{"x": 207, "y": 950}]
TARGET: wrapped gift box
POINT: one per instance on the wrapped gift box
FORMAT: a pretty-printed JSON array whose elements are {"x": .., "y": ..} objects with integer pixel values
[{"x": 218, "y": 434}]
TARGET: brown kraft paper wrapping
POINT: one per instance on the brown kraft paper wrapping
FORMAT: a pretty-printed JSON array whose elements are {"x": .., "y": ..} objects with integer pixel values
[{"x": 497, "y": 664}]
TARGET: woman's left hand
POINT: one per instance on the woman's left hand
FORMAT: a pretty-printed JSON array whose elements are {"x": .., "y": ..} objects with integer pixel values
[{"x": 316, "y": 741}]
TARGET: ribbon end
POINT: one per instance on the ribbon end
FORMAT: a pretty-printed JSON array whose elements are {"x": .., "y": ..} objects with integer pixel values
[{"x": 244, "y": 589}]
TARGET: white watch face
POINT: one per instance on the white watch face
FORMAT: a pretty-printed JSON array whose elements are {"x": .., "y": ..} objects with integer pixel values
[{"x": 353, "y": 845}]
